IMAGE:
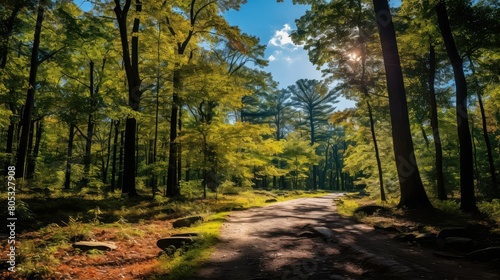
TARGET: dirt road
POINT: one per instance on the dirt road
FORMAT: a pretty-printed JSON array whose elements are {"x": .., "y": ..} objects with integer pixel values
[{"x": 265, "y": 243}]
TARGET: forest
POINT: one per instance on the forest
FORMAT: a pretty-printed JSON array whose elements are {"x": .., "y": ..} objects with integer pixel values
[{"x": 147, "y": 105}]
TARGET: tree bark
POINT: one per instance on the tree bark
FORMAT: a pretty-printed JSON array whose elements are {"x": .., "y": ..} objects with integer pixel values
[
  {"x": 377, "y": 154},
  {"x": 172, "y": 180},
  {"x": 22, "y": 151},
  {"x": 120, "y": 170},
  {"x": 467, "y": 196},
  {"x": 90, "y": 130},
  {"x": 441, "y": 191},
  {"x": 413, "y": 194},
  {"x": 69, "y": 157},
  {"x": 115, "y": 148},
  {"x": 33, "y": 153},
  {"x": 131, "y": 64}
]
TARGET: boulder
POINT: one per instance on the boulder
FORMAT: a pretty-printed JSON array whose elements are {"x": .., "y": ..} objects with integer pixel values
[
  {"x": 94, "y": 245},
  {"x": 187, "y": 222},
  {"x": 454, "y": 232},
  {"x": 370, "y": 209},
  {"x": 325, "y": 233},
  {"x": 271, "y": 200},
  {"x": 176, "y": 242},
  {"x": 486, "y": 254},
  {"x": 388, "y": 229},
  {"x": 425, "y": 238}
]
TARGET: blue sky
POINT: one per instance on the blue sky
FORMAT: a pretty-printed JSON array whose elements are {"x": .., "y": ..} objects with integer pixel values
[{"x": 273, "y": 22}]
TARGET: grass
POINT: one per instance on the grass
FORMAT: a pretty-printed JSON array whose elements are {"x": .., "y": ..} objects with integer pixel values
[
  {"x": 52, "y": 223},
  {"x": 445, "y": 213}
]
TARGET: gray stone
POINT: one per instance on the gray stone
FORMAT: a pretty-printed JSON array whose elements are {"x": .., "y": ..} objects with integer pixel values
[
  {"x": 177, "y": 242},
  {"x": 187, "y": 222},
  {"x": 271, "y": 200},
  {"x": 94, "y": 245},
  {"x": 486, "y": 254},
  {"x": 324, "y": 232}
]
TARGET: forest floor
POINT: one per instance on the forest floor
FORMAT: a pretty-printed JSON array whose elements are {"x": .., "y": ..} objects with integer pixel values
[{"x": 277, "y": 241}]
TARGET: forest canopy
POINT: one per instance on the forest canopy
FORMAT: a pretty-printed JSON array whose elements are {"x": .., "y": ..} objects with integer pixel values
[{"x": 163, "y": 97}]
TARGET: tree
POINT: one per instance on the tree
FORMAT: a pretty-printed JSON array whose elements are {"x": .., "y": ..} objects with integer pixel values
[
  {"x": 196, "y": 17},
  {"x": 413, "y": 194},
  {"x": 345, "y": 43},
  {"x": 131, "y": 65},
  {"x": 316, "y": 101},
  {"x": 22, "y": 151},
  {"x": 468, "y": 199}
]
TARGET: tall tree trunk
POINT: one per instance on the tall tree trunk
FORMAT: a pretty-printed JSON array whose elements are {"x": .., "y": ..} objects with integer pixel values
[
  {"x": 90, "y": 130},
  {"x": 413, "y": 194},
  {"x": 22, "y": 151},
  {"x": 129, "y": 158},
  {"x": 115, "y": 148},
  {"x": 467, "y": 196},
  {"x": 313, "y": 140},
  {"x": 121, "y": 168},
  {"x": 33, "y": 153},
  {"x": 172, "y": 179},
  {"x": 67, "y": 180},
  {"x": 29, "y": 172},
  {"x": 485, "y": 132},
  {"x": 441, "y": 191},
  {"x": 377, "y": 154},
  {"x": 179, "y": 151},
  {"x": 108, "y": 157},
  {"x": 131, "y": 64}
]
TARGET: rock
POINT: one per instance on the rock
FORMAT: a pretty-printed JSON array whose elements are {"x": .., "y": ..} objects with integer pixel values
[
  {"x": 425, "y": 237},
  {"x": 188, "y": 234},
  {"x": 388, "y": 229},
  {"x": 454, "y": 232},
  {"x": 271, "y": 200},
  {"x": 461, "y": 244},
  {"x": 177, "y": 242},
  {"x": 90, "y": 245},
  {"x": 324, "y": 232},
  {"x": 187, "y": 222},
  {"x": 371, "y": 209},
  {"x": 486, "y": 254},
  {"x": 306, "y": 234},
  {"x": 405, "y": 237}
]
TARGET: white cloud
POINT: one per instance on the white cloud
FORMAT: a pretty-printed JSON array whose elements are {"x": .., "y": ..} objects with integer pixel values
[
  {"x": 271, "y": 58},
  {"x": 282, "y": 38}
]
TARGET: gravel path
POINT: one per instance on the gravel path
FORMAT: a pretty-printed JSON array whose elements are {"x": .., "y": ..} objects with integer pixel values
[{"x": 265, "y": 243}]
